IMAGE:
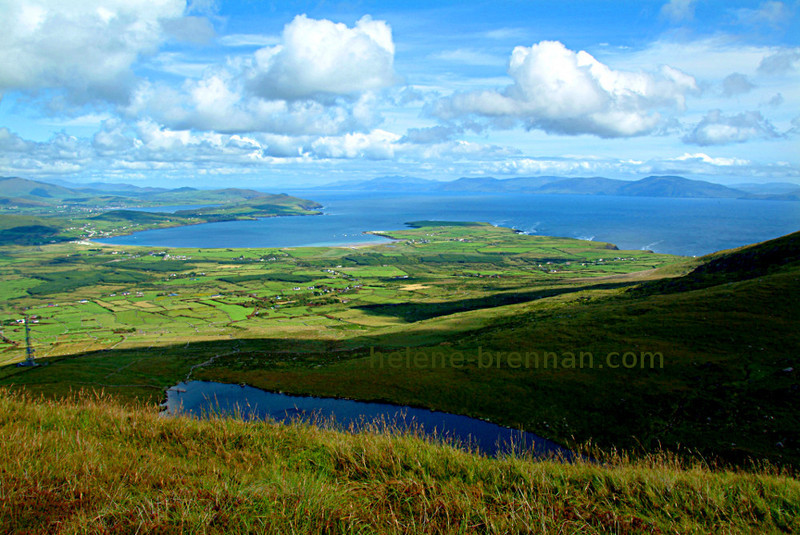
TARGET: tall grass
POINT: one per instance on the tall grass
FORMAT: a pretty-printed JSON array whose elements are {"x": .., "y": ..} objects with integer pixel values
[{"x": 88, "y": 465}]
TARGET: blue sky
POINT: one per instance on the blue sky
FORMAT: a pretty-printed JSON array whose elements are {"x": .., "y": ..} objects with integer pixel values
[{"x": 288, "y": 94}]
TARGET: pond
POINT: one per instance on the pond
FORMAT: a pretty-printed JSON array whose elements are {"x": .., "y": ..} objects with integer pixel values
[{"x": 202, "y": 398}]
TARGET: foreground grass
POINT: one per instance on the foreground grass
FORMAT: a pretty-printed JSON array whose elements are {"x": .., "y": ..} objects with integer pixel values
[{"x": 87, "y": 464}]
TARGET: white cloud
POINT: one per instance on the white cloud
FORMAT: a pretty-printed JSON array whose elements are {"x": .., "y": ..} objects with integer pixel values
[
  {"x": 561, "y": 91},
  {"x": 320, "y": 57},
  {"x": 718, "y": 129},
  {"x": 560, "y": 166},
  {"x": 705, "y": 158},
  {"x": 111, "y": 140},
  {"x": 219, "y": 103},
  {"x": 60, "y": 154},
  {"x": 376, "y": 145},
  {"x": 678, "y": 10},
  {"x": 84, "y": 48},
  {"x": 321, "y": 80}
]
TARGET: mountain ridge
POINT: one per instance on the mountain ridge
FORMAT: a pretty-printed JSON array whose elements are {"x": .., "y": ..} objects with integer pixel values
[{"x": 651, "y": 186}]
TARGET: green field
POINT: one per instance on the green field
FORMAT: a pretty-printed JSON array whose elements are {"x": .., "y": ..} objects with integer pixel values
[
  {"x": 77, "y": 294},
  {"x": 572, "y": 340}
]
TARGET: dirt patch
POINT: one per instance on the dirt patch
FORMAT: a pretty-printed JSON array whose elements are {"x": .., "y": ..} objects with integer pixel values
[{"x": 412, "y": 287}]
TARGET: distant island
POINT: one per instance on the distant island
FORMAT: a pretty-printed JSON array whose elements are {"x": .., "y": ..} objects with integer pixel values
[{"x": 651, "y": 186}]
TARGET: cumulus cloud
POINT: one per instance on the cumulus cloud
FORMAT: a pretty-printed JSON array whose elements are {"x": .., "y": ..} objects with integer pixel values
[
  {"x": 218, "y": 102},
  {"x": 736, "y": 84},
  {"x": 147, "y": 145},
  {"x": 718, "y": 129},
  {"x": 320, "y": 57},
  {"x": 678, "y": 10},
  {"x": 111, "y": 140},
  {"x": 320, "y": 80},
  {"x": 376, "y": 145},
  {"x": 561, "y": 91},
  {"x": 382, "y": 145},
  {"x": 780, "y": 62},
  {"x": 85, "y": 49},
  {"x": 60, "y": 154},
  {"x": 12, "y": 143}
]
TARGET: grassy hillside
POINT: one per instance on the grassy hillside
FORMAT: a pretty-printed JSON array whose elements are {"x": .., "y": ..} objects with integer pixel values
[
  {"x": 489, "y": 317},
  {"x": 88, "y": 465},
  {"x": 27, "y": 230},
  {"x": 31, "y": 189},
  {"x": 744, "y": 263},
  {"x": 713, "y": 366}
]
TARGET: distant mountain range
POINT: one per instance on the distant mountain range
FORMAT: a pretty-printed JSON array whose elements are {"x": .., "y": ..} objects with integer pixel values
[
  {"x": 651, "y": 186},
  {"x": 32, "y": 193}
]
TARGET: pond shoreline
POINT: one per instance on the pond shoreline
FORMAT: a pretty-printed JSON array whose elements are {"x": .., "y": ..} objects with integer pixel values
[{"x": 465, "y": 432}]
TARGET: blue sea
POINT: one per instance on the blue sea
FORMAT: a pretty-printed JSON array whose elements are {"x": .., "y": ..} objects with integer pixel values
[{"x": 676, "y": 226}]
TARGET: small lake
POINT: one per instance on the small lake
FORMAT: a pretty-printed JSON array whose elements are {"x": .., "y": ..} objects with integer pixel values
[
  {"x": 665, "y": 225},
  {"x": 201, "y": 398}
]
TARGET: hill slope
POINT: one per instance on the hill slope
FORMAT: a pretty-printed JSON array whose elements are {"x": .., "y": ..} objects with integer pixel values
[
  {"x": 715, "y": 358},
  {"x": 32, "y": 189},
  {"x": 89, "y": 465},
  {"x": 726, "y": 381}
]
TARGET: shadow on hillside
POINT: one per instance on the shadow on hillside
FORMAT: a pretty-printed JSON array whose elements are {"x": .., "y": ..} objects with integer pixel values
[{"x": 412, "y": 312}]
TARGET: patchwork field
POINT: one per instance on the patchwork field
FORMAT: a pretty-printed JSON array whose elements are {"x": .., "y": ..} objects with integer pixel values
[
  {"x": 573, "y": 340},
  {"x": 100, "y": 297}
]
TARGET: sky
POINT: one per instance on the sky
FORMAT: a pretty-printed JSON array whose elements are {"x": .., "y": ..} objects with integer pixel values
[{"x": 253, "y": 93}]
